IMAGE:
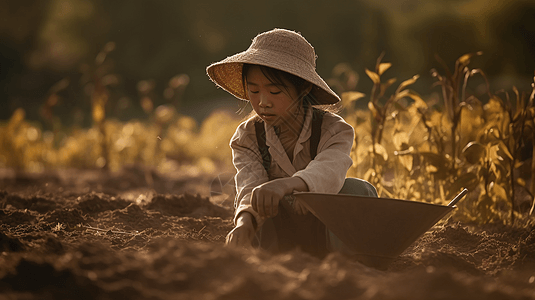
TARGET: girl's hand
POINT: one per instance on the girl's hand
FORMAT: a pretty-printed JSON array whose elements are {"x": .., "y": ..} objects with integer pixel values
[
  {"x": 265, "y": 197},
  {"x": 300, "y": 208},
  {"x": 242, "y": 235}
]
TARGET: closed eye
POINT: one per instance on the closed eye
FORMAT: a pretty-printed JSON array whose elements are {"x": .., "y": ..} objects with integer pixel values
[{"x": 275, "y": 93}]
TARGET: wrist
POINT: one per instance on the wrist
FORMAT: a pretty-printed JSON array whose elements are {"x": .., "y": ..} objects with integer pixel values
[
  {"x": 247, "y": 219},
  {"x": 296, "y": 184}
]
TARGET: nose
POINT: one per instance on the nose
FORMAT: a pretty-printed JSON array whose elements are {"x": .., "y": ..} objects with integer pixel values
[{"x": 264, "y": 100}]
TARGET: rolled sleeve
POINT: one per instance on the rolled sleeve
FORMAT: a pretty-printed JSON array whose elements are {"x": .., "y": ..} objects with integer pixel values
[{"x": 327, "y": 171}]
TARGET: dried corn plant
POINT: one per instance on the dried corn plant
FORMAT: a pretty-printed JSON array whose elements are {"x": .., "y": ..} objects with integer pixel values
[{"x": 432, "y": 152}]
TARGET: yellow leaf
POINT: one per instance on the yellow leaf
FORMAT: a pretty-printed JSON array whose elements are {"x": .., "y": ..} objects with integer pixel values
[
  {"x": 373, "y": 76},
  {"x": 474, "y": 152},
  {"x": 402, "y": 94},
  {"x": 438, "y": 160},
  {"x": 379, "y": 150},
  {"x": 465, "y": 59},
  {"x": 17, "y": 117},
  {"x": 349, "y": 97},
  {"x": 418, "y": 101},
  {"x": 495, "y": 133},
  {"x": 387, "y": 84},
  {"x": 374, "y": 111},
  {"x": 369, "y": 174},
  {"x": 431, "y": 169},
  {"x": 494, "y": 171},
  {"x": 504, "y": 149},
  {"x": 467, "y": 180},
  {"x": 494, "y": 106},
  {"x": 400, "y": 138},
  {"x": 499, "y": 191},
  {"x": 98, "y": 113},
  {"x": 383, "y": 67},
  {"x": 494, "y": 155},
  {"x": 407, "y": 82},
  {"x": 406, "y": 161}
]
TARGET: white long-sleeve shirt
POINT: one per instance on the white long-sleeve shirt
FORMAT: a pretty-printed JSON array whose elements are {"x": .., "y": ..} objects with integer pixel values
[{"x": 325, "y": 174}]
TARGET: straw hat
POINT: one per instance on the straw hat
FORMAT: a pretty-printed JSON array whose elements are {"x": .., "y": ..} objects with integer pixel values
[{"x": 279, "y": 49}]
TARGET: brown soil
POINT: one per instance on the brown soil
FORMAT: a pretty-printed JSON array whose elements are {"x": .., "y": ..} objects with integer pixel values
[{"x": 92, "y": 235}]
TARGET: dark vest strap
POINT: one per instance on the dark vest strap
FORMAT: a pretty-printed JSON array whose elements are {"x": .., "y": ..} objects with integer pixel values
[
  {"x": 261, "y": 139},
  {"x": 317, "y": 119}
]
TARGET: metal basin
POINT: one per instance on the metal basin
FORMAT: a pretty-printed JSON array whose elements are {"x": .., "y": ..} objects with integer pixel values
[{"x": 376, "y": 230}]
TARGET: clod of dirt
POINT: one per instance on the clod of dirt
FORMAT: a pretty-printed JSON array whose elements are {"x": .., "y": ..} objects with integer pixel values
[
  {"x": 10, "y": 244},
  {"x": 36, "y": 203},
  {"x": 69, "y": 216},
  {"x": 43, "y": 278},
  {"x": 95, "y": 203},
  {"x": 53, "y": 245},
  {"x": 187, "y": 205},
  {"x": 16, "y": 217},
  {"x": 133, "y": 217}
]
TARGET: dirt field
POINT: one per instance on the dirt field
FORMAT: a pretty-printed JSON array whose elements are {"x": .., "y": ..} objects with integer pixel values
[{"x": 91, "y": 235}]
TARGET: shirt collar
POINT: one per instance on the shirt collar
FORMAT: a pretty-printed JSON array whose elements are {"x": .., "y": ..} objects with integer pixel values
[{"x": 278, "y": 154}]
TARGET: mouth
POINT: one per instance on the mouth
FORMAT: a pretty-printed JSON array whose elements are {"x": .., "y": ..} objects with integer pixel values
[{"x": 266, "y": 116}]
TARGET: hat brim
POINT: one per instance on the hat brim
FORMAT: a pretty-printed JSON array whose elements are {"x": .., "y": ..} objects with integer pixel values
[{"x": 227, "y": 73}]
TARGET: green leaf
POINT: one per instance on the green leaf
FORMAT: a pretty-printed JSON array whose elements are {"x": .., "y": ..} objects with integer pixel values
[{"x": 474, "y": 152}]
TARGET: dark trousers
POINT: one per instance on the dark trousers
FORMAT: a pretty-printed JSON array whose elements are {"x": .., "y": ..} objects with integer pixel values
[{"x": 288, "y": 230}]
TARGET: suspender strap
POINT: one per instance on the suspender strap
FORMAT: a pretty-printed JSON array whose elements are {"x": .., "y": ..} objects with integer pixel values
[
  {"x": 317, "y": 119},
  {"x": 261, "y": 139}
]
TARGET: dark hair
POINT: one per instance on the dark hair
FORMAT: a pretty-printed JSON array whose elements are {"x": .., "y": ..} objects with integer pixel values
[
  {"x": 301, "y": 85},
  {"x": 278, "y": 77}
]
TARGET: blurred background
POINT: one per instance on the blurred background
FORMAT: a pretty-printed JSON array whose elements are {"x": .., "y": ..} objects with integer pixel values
[{"x": 161, "y": 48}]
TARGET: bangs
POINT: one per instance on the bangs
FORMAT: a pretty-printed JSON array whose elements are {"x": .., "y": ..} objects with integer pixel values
[{"x": 277, "y": 77}]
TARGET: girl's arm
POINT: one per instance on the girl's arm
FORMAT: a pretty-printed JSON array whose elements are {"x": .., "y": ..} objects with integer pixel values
[
  {"x": 327, "y": 172},
  {"x": 250, "y": 172},
  {"x": 265, "y": 197},
  {"x": 256, "y": 196}
]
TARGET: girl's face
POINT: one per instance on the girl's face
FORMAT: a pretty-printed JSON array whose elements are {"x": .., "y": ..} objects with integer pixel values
[{"x": 273, "y": 103}]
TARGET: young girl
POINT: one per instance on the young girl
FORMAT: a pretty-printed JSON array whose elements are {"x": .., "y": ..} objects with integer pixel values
[{"x": 287, "y": 146}]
